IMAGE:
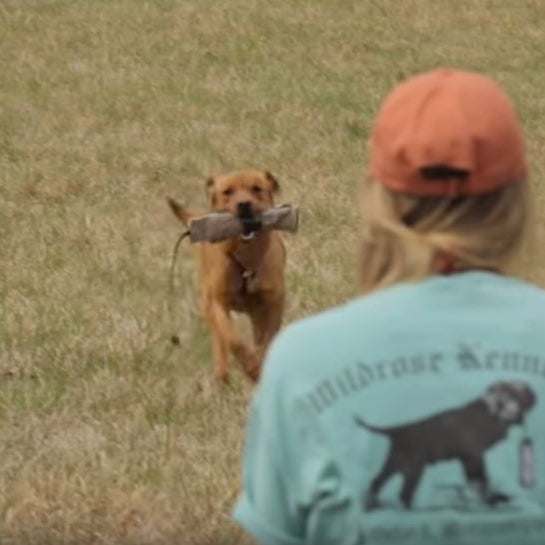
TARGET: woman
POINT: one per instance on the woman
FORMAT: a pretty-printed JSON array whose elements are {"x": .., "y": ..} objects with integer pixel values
[{"x": 416, "y": 414}]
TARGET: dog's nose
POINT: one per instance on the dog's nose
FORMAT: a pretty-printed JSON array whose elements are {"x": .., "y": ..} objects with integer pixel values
[{"x": 244, "y": 209}]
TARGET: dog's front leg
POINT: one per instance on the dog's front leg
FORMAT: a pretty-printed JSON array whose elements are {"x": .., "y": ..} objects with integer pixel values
[
  {"x": 220, "y": 349},
  {"x": 266, "y": 317},
  {"x": 475, "y": 470},
  {"x": 228, "y": 336},
  {"x": 220, "y": 354}
]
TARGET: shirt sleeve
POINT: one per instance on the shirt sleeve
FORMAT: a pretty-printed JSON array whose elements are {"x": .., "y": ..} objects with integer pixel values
[
  {"x": 263, "y": 508},
  {"x": 293, "y": 490}
]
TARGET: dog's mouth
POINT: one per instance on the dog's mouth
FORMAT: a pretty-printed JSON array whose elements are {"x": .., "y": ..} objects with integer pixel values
[
  {"x": 250, "y": 221},
  {"x": 250, "y": 227}
]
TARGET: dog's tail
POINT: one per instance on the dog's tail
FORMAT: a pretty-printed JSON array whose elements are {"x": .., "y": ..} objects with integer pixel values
[
  {"x": 179, "y": 211},
  {"x": 362, "y": 423}
]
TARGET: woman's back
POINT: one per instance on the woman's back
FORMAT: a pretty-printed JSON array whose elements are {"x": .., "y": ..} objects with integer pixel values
[{"x": 422, "y": 410}]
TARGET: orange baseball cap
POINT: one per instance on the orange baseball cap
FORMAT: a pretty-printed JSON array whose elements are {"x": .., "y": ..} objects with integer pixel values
[{"x": 447, "y": 133}]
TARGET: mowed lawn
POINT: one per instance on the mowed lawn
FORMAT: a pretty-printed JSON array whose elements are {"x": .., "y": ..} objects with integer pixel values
[{"x": 107, "y": 433}]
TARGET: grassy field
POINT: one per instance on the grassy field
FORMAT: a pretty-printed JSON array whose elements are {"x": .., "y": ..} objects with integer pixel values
[{"x": 107, "y": 434}]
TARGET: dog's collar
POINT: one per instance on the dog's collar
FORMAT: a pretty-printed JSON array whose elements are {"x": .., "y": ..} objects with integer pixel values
[{"x": 248, "y": 275}]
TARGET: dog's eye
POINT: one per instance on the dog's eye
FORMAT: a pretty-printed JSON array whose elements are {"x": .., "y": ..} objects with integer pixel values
[
  {"x": 256, "y": 189},
  {"x": 227, "y": 192}
]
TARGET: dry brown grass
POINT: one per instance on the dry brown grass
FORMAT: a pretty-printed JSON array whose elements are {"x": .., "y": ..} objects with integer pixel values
[{"x": 106, "y": 434}]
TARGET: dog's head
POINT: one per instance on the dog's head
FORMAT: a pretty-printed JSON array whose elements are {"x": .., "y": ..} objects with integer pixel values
[
  {"x": 509, "y": 401},
  {"x": 243, "y": 193}
]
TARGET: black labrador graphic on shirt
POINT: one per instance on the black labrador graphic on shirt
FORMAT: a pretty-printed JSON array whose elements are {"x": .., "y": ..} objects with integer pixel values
[{"x": 463, "y": 434}]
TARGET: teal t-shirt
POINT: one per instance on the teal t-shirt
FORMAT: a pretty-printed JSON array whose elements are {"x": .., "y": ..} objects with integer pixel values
[{"x": 412, "y": 416}]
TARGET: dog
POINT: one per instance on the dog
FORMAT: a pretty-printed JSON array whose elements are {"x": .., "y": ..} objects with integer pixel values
[
  {"x": 242, "y": 274},
  {"x": 463, "y": 434}
]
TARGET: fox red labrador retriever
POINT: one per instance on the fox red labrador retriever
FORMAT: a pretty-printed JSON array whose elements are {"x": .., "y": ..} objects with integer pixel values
[{"x": 243, "y": 274}]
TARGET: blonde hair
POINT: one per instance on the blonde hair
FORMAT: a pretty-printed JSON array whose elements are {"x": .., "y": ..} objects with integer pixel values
[{"x": 405, "y": 237}]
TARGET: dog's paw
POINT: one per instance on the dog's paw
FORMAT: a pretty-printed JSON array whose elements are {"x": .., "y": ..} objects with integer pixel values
[
  {"x": 222, "y": 375},
  {"x": 371, "y": 502},
  {"x": 253, "y": 366},
  {"x": 497, "y": 498}
]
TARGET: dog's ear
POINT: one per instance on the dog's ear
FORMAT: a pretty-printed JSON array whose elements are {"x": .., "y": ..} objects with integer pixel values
[
  {"x": 275, "y": 186},
  {"x": 210, "y": 190}
]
